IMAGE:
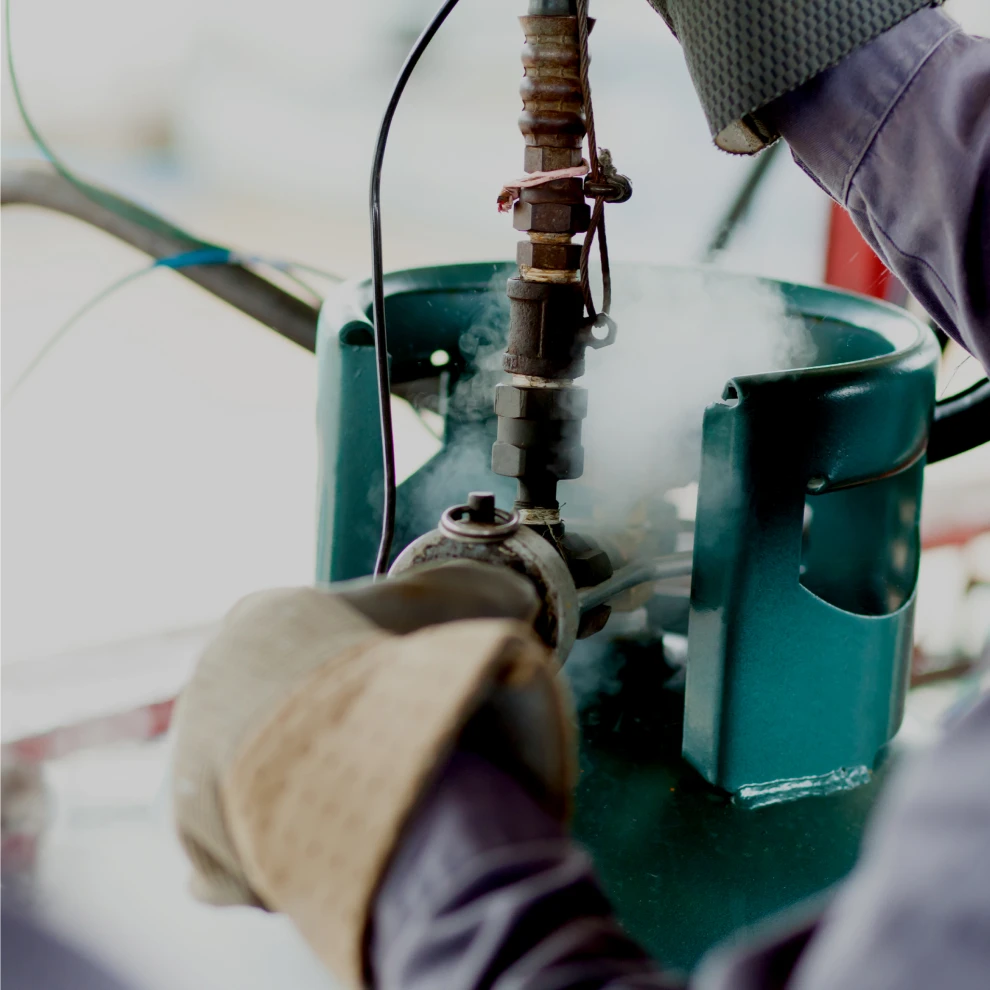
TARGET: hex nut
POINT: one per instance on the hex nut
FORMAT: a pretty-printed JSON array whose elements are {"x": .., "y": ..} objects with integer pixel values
[
  {"x": 566, "y": 257},
  {"x": 539, "y": 159},
  {"x": 589, "y": 566},
  {"x": 552, "y": 218},
  {"x": 557, "y": 191},
  {"x": 508, "y": 461},
  {"x": 517, "y": 402}
]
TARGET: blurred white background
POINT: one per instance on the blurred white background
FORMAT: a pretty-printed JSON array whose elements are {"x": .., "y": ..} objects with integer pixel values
[{"x": 161, "y": 462}]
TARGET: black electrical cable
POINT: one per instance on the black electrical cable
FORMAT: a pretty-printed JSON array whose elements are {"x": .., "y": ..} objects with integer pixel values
[
  {"x": 378, "y": 284},
  {"x": 60, "y": 189},
  {"x": 107, "y": 201},
  {"x": 36, "y": 184},
  {"x": 961, "y": 422},
  {"x": 736, "y": 213}
]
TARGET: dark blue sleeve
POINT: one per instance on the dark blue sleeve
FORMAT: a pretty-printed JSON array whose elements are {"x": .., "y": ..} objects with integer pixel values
[
  {"x": 915, "y": 914},
  {"x": 486, "y": 892},
  {"x": 34, "y": 959},
  {"x": 899, "y": 134}
]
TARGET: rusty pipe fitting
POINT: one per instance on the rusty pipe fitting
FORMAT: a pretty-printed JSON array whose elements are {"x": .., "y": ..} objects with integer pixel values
[{"x": 547, "y": 336}]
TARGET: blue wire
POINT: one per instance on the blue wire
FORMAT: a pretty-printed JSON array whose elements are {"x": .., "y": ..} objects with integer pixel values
[
  {"x": 185, "y": 259},
  {"x": 200, "y": 256}
]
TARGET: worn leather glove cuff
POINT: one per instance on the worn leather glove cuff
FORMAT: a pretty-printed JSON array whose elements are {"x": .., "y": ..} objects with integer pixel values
[
  {"x": 743, "y": 54},
  {"x": 315, "y": 719},
  {"x": 316, "y": 799}
]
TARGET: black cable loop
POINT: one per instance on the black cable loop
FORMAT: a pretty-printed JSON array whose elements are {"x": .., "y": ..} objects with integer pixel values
[
  {"x": 589, "y": 112},
  {"x": 961, "y": 422},
  {"x": 378, "y": 286},
  {"x": 596, "y": 226}
]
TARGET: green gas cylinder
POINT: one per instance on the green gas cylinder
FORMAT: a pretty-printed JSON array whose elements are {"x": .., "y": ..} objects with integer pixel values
[{"x": 714, "y": 794}]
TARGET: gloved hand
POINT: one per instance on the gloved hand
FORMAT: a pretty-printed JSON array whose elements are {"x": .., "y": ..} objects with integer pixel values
[
  {"x": 316, "y": 717},
  {"x": 743, "y": 54}
]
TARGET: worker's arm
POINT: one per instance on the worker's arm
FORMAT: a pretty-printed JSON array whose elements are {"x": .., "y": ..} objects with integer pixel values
[
  {"x": 915, "y": 914},
  {"x": 899, "y": 134},
  {"x": 487, "y": 892},
  {"x": 317, "y": 718},
  {"x": 886, "y": 104},
  {"x": 314, "y": 776}
]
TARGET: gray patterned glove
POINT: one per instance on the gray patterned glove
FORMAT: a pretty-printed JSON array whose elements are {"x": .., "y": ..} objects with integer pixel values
[{"x": 742, "y": 54}]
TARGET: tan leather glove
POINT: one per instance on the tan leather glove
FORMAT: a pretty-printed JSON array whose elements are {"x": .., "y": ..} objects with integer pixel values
[{"x": 316, "y": 717}]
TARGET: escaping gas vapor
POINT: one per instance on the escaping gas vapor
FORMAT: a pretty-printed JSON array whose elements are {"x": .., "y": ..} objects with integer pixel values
[{"x": 682, "y": 335}]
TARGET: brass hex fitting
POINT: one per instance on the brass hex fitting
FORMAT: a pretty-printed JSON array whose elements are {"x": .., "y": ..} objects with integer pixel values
[
  {"x": 565, "y": 257},
  {"x": 553, "y": 218},
  {"x": 540, "y": 159}
]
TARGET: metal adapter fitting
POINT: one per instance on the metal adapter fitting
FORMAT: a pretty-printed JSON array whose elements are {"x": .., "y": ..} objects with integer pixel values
[
  {"x": 545, "y": 329},
  {"x": 502, "y": 542},
  {"x": 539, "y": 439}
]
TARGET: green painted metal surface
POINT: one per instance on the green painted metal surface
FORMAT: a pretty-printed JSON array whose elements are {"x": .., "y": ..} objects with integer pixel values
[
  {"x": 798, "y": 634},
  {"x": 800, "y": 631},
  {"x": 684, "y": 863},
  {"x": 455, "y": 308}
]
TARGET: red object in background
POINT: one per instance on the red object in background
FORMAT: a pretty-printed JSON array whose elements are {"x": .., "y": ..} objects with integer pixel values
[
  {"x": 850, "y": 263},
  {"x": 146, "y": 722}
]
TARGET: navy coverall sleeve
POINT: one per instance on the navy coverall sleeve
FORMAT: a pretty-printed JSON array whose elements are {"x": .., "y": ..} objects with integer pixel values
[
  {"x": 486, "y": 891},
  {"x": 899, "y": 134}
]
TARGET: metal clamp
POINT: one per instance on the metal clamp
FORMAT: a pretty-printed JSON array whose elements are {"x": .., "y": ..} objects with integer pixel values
[{"x": 611, "y": 186}]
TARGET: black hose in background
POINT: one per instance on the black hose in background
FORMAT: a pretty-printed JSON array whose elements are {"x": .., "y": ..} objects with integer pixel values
[
  {"x": 961, "y": 422},
  {"x": 34, "y": 184},
  {"x": 738, "y": 209}
]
